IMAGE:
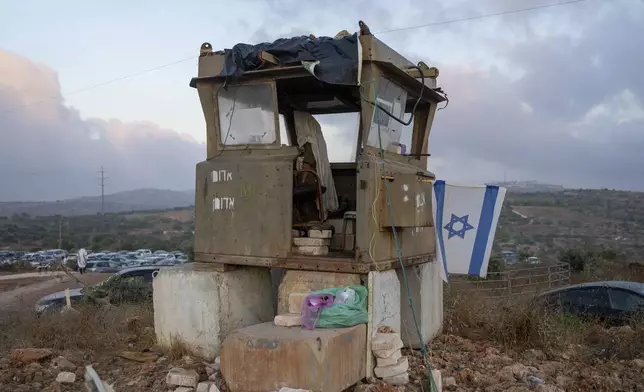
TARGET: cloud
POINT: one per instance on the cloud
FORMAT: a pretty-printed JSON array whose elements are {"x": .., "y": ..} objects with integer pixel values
[
  {"x": 553, "y": 95},
  {"x": 574, "y": 117},
  {"x": 49, "y": 152}
]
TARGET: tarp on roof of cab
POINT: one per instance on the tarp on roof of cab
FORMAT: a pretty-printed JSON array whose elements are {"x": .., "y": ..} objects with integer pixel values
[{"x": 336, "y": 60}]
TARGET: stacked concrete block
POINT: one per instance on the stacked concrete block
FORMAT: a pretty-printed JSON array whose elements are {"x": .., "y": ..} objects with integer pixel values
[
  {"x": 316, "y": 244},
  {"x": 294, "y": 316},
  {"x": 391, "y": 365}
]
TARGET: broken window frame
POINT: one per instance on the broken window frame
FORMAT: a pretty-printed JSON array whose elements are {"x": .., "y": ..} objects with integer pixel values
[{"x": 218, "y": 121}]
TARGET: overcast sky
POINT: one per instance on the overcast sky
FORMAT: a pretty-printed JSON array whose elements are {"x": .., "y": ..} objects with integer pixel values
[{"x": 554, "y": 95}]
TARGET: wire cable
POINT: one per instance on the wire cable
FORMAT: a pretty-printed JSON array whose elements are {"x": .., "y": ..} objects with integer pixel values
[
  {"x": 438, "y": 23},
  {"x": 483, "y": 16},
  {"x": 97, "y": 85}
]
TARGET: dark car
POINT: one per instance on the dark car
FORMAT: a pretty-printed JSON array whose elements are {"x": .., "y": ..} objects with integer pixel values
[
  {"x": 611, "y": 302},
  {"x": 57, "y": 300}
]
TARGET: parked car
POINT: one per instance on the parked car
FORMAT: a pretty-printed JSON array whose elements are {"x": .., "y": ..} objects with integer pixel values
[
  {"x": 144, "y": 252},
  {"x": 610, "y": 302},
  {"x": 57, "y": 300},
  {"x": 102, "y": 266}
]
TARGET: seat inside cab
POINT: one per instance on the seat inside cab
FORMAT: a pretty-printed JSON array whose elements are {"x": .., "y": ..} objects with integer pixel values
[{"x": 324, "y": 192}]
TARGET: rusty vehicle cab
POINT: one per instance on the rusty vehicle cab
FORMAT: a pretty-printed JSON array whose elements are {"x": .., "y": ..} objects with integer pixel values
[{"x": 267, "y": 194}]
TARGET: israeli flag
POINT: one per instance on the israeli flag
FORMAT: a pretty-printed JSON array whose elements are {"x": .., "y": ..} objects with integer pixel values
[{"x": 465, "y": 219}]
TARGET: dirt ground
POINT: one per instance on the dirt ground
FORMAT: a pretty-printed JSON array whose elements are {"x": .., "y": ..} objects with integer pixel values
[{"x": 24, "y": 290}]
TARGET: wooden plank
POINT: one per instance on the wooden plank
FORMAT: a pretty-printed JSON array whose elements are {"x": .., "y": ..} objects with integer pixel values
[{"x": 269, "y": 58}]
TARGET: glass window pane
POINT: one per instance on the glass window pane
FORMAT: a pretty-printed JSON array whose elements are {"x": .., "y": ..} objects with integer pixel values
[
  {"x": 623, "y": 300},
  {"x": 385, "y": 129},
  {"x": 247, "y": 115}
]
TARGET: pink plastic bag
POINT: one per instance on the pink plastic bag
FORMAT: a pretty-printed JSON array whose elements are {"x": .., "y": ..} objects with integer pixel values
[{"x": 312, "y": 306}]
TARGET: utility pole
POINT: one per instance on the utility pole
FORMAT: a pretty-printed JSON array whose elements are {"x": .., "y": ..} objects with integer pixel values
[
  {"x": 60, "y": 232},
  {"x": 102, "y": 179}
]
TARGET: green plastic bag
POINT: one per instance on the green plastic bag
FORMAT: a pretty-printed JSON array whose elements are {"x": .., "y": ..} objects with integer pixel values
[{"x": 344, "y": 315}]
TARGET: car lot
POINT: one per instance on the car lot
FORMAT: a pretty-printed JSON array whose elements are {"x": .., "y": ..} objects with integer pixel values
[{"x": 105, "y": 261}]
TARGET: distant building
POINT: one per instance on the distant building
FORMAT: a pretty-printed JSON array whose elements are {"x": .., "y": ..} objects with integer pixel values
[{"x": 509, "y": 257}]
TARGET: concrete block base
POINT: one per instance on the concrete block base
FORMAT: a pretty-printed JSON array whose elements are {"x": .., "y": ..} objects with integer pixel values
[
  {"x": 296, "y": 281},
  {"x": 264, "y": 358},
  {"x": 199, "y": 307},
  {"x": 426, "y": 288},
  {"x": 386, "y": 301}
]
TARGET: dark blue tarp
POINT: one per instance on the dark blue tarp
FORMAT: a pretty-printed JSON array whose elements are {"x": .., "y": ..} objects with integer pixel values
[{"x": 338, "y": 58}]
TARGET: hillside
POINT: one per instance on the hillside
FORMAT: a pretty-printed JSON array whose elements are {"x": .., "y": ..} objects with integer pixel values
[
  {"x": 531, "y": 223},
  {"x": 168, "y": 229},
  {"x": 135, "y": 200},
  {"x": 544, "y": 223}
]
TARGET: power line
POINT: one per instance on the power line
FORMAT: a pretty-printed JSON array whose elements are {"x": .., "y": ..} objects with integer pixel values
[
  {"x": 439, "y": 23},
  {"x": 102, "y": 84},
  {"x": 482, "y": 16}
]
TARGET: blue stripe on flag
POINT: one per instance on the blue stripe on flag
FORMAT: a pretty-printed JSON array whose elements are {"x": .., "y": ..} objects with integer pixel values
[
  {"x": 483, "y": 232},
  {"x": 439, "y": 191}
]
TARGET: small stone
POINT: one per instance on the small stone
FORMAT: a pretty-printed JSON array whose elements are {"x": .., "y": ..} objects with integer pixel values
[
  {"x": 563, "y": 381},
  {"x": 392, "y": 360},
  {"x": 288, "y": 320},
  {"x": 400, "y": 379},
  {"x": 287, "y": 389},
  {"x": 449, "y": 383},
  {"x": 26, "y": 355},
  {"x": 33, "y": 367},
  {"x": 66, "y": 378},
  {"x": 184, "y": 389},
  {"x": 207, "y": 386},
  {"x": 386, "y": 341},
  {"x": 638, "y": 363},
  {"x": 188, "y": 360},
  {"x": 212, "y": 368},
  {"x": 385, "y": 345},
  {"x": 402, "y": 366},
  {"x": 320, "y": 233},
  {"x": 295, "y": 301},
  {"x": 182, "y": 378},
  {"x": 295, "y": 233},
  {"x": 306, "y": 241},
  {"x": 63, "y": 364}
]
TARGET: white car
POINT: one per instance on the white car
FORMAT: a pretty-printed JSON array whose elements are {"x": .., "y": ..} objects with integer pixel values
[{"x": 144, "y": 252}]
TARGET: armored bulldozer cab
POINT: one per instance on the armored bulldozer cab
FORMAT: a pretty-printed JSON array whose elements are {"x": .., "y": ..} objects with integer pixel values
[{"x": 267, "y": 194}]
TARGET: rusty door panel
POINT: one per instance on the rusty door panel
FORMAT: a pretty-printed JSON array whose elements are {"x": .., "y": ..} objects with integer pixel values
[
  {"x": 411, "y": 195},
  {"x": 374, "y": 239},
  {"x": 245, "y": 206}
]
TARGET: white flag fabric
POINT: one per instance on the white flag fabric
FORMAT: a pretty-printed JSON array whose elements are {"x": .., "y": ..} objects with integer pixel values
[{"x": 465, "y": 218}]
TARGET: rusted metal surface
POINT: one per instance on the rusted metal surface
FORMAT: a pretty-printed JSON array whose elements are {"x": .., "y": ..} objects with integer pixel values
[
  {"x": 379, "y": 244},
  {"x": 411, "y": 194},
  {"x": 326, "y": 264},
  {"x": 244, "y": 205},
  {"x": 246, "y": 216}
]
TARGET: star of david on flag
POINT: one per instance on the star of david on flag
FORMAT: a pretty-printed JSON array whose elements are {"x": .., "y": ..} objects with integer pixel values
[{"x": 465, "y": 219}]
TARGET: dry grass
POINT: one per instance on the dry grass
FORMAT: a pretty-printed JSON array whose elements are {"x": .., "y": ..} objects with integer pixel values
[
  {"x": 178, "y": 349},
  {"x": 517, "y": 325},
  {"x": 89, "y": 328}
]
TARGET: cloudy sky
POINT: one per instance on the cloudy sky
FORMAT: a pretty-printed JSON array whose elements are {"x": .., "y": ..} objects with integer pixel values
[{"x": 553, "y": 94}]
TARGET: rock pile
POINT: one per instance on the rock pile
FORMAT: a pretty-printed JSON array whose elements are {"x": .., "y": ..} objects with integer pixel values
[{"x": 391, "y": 366}]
